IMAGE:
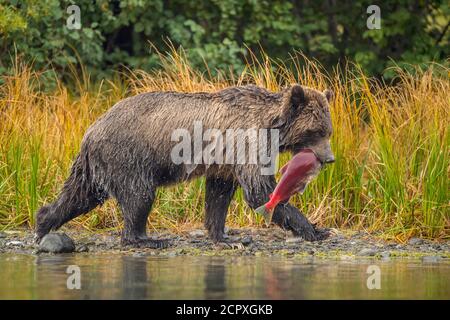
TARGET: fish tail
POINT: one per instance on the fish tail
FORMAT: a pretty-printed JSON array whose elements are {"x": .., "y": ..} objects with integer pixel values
[{"x": 266, "y": 213}]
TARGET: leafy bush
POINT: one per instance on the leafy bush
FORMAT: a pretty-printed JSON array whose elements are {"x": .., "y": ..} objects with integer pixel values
[{"x": 222, "y": 32}]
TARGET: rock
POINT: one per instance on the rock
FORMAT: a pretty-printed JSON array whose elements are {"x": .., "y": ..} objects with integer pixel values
[
  {"x": 294, "y": 240},
  {"x": 246, "y": 240},
  {"x": 415, "y": 241},
  {"x": 367, "y": 252},
  {"x": 2, "y": 234},
  {"x": 198, "y": 233},
  {"x": 385, "y": 254},
  {"x": 56, "y": 243}
]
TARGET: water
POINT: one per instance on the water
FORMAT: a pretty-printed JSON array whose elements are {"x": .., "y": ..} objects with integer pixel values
[{"x": 111, "y": 276}]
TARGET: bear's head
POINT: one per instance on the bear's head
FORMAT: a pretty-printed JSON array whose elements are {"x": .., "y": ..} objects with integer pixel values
[{"x": 304, "y": 121}]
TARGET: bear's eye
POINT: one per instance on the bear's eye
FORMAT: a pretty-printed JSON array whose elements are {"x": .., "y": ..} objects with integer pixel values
[{"x": 313, "y": 135}]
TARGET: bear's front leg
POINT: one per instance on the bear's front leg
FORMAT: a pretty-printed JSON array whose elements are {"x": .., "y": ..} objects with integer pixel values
[
  {"x": 290, "y": 218},
  {"x": 219, "y": 192},
  {"x": 257, "y": 189}
]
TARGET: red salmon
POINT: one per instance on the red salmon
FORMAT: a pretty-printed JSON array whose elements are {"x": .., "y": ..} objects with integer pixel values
[{"x": 296, "y": 175}]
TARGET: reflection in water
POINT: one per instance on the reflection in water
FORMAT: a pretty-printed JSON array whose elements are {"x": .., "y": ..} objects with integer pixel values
[
  {"x": 126, "y": 277},
  {"x": 215, "y": 287},
  {"x": 134, "y": 280}
]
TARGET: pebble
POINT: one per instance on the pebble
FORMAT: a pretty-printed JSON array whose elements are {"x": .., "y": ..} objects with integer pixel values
[
  {"x": 427, "y": 248},
  {"x": 294, "y": 240},
  {"x": 265, "y": 241},
  {"x": 137, "y": 255},
  {"x": 367, "y": 252},
  {"x": 289, "y": 252},
  {"x": 437, "y": 247},
  {"x": 83, "y": 248},
  {"x": 247, "y": 240},
  {"x": 198, "y": 233},
  {"x": 415, "y": 241},
  {"x": 14, "y": 243},
  {"x": 56, "y": 243}
]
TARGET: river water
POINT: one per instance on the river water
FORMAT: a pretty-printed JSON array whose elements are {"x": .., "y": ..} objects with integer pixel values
[{"x": 112, "y": 276}]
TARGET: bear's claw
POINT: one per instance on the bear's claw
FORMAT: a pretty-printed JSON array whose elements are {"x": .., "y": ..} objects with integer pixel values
[{"x": 147, "y": 243}]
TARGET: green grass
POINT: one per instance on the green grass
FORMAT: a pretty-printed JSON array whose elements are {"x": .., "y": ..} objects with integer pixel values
[{"x": 391, "y": 144}]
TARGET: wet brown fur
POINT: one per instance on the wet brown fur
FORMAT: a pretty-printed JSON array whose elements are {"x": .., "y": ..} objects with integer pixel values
[{"x": 126, "y": 155}]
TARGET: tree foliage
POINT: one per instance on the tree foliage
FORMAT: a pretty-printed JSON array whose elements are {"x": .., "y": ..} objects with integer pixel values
[{"x": 222, "y": 32}]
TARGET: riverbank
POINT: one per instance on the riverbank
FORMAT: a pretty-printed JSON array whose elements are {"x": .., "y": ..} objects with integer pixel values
[{"x": 255, "y": 242}]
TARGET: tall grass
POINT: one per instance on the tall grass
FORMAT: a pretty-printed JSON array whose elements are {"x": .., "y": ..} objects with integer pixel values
[{"x": 391, "y": 144}]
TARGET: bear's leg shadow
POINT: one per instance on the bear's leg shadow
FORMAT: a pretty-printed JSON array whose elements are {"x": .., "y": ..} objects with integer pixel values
[
  {"x": 257, "y": 189},
  {"x": 219, "y": 193}
]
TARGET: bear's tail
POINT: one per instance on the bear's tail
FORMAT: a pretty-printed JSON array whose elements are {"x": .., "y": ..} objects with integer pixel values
[{"x": 79, "y": 195}]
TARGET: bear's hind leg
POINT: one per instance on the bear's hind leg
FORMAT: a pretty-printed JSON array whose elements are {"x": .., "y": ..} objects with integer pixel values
[
  {"x": 136, "y": 207},
  {"x": 219, "y": 193}
]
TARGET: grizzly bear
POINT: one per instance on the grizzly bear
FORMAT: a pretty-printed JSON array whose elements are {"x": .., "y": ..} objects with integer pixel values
[{"x": 128, "y": 153}]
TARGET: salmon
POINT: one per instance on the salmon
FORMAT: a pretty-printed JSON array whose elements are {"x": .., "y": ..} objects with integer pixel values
[{"x": 296, "y": 175}]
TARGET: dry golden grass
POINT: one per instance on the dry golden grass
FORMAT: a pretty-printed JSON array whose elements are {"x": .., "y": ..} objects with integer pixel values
[{"x": 391, "y": 145}]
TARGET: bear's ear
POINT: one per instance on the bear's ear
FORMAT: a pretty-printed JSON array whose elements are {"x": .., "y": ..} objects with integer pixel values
[
  {"x": 297, "y": 97},
  {"x": 329, "y": 94},
  {"x": 294, "y": 98}
]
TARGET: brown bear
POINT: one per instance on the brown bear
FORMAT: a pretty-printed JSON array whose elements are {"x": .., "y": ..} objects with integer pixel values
[{"x": 129, "y": 152}]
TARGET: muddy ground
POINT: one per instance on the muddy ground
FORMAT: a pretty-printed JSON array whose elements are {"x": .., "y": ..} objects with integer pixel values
[{"x": 255, "y": 242}]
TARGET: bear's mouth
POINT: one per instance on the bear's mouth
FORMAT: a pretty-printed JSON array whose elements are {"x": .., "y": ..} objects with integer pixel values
[
  {"x": 298, "y": 148},
  {"x": 296, "y": 151}
]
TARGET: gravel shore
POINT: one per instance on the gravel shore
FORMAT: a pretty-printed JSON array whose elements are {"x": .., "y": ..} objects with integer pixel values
[{"x": 255, "y": 242}]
